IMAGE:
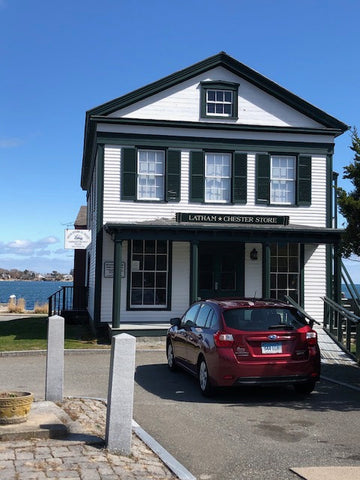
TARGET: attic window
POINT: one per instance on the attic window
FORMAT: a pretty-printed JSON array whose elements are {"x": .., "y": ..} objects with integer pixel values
[{"x": 219, "y": 100}]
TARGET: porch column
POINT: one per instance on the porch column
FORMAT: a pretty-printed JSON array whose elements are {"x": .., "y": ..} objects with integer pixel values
[
  {"x": 117, "y": 284},
  {"x": 266, "y": 270},
  {"x": 194, "y": 272},
  {"x": 337, "y": 275}
]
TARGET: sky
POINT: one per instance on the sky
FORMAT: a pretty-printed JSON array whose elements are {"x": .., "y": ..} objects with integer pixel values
[{"x": 60, "y": 59}]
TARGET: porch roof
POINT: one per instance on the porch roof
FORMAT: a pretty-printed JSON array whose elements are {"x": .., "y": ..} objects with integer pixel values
[{"x": 168, "y": 229}]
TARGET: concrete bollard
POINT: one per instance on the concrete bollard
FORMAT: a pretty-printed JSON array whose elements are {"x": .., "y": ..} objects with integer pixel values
[
  {"x": 121, "y": 394},
  {"x": 55, "y": 359}
]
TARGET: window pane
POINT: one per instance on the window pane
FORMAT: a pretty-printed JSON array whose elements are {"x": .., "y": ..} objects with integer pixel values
[
  {"x": 149, "y": 262},
  {"x": 160, "y": 298},
  {"x": 161, "y": 279},
  {"x": 150, "y": 246},
  {"x": 137, "y": 279},
  {"x": 149, "y": 279},
  {"x": 211, "y": 95},
  {"x": 149, "y": 297},
  {"x": 161, "y": 246}
]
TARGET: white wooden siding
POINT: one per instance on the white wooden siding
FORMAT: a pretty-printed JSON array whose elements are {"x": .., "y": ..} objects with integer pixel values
[
  {"x": 315, "y": 280},
  {"x": 119, "y": 211},
  {"x": 182, "y": 102}
]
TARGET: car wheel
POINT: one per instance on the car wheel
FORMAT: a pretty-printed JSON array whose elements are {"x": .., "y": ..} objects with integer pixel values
[
  {"x": 170, "y": 357},
  {"x": 305, "y": 388},
  {"x": 204, "y": 380}
]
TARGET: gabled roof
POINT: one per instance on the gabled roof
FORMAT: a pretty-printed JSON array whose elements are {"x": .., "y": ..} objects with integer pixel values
[
  {"x": 219, "y": 60},
  {"x": 236, "y": 67}
]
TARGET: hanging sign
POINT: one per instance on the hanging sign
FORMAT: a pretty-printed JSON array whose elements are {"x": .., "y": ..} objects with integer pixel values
[{"x": 77, "y": 239}]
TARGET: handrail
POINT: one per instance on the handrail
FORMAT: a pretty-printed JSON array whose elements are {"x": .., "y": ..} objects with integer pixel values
[
  {"x": 343, "y": 326},
  {"x": 339, "y": 308},
  {"x": 355, "y": 296},
  {"x": 68, "y": 298},
  {"x": 294, "y": 304}
]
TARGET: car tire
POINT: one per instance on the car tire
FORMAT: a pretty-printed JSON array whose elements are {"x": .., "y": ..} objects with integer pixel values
[
  {"x": 204, "y": 381},
  {"x": 171, "y": 357},
  {"x": 304, "y": 388}
]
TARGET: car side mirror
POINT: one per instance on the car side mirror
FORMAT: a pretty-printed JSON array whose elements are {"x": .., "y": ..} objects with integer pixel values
[{"x": 175, "y": 322}]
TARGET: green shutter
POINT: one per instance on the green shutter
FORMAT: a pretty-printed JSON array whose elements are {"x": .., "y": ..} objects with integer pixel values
[
  {"x": 197, "y": 179},
  {"x": 240, "y": 178},
  {"x": 173, "y": 176},
  {"x": 263, "y": 178},
  {"x": 128, "y": 174},
  {"x": 304, "y": 180}
]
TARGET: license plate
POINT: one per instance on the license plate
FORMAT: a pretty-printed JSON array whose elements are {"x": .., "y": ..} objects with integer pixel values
[{"x": 271, "y": 347}]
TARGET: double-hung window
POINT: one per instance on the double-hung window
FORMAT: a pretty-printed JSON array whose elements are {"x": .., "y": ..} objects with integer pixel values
[
  {"x": 151, "y": 172},
  {"x": 218, "y": 177},
  {"x": 219, "y": 102},
  {"x": 219, "y": 99},
  {"x": 283, "y": 177}
]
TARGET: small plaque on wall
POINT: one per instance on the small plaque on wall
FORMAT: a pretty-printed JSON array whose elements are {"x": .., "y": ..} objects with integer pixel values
[{"x": 109, "y": 270}]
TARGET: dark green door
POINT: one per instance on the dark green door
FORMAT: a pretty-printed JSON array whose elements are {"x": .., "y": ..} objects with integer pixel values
[{"x": 221, "y": 270}]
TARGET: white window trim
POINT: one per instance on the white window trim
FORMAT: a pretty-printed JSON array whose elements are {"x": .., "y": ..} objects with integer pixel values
[
  {"x": 287, "y": 180},
  {"x": 215, "y": 102},
  {"x": 207, "y": 200},
  {"x": 162, "y": 175}
]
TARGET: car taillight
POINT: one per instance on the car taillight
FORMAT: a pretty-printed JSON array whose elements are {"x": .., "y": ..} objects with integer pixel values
[
  {"x": 223, "y": 339},
  {"x": 311, "y": 338}
]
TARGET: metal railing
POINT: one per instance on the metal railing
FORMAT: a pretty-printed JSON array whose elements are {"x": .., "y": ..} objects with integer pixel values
[
  {"x": 354, "y": 299},
  {"x": 309, "y": 317},
  {"x": 343, "y": 326},
  {"x": 68, "y": 299}
]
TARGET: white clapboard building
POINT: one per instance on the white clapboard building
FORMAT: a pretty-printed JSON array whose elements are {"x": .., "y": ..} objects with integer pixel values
[{"x": 211, "y": 182}]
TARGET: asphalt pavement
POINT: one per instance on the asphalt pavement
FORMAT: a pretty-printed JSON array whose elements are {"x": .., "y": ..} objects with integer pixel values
[{"x": 162, "y": 397}]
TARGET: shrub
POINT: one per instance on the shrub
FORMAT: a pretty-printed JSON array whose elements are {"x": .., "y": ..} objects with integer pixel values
[
  {"x": 16, "y": 307},
  {"x": 38, "y": 308}
]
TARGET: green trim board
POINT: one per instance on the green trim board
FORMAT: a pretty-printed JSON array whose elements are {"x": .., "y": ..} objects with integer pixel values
[
  {"x": 99, "y": 233},
  {"x": 218, "y": 232},
  {"x": 207, "y": 143},
  {"x": 203, "y": 125}
]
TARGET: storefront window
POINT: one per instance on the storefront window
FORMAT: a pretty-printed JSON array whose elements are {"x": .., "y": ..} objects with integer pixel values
[
  {"x": 149, "y": 274},
  {"x": 285, "y": 271}
]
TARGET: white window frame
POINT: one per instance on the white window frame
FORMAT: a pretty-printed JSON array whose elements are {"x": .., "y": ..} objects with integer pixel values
[
  {"x": 282, "y": 261},
  {"x": 150, "y": 179},
  {"x": 217, "y": 102},
  {"x": 282, "y": 183},
  {"x": 217, "y": 175}
]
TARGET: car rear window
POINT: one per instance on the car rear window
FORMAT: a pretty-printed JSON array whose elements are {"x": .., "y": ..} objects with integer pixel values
[{"x": 258, "y": 319}]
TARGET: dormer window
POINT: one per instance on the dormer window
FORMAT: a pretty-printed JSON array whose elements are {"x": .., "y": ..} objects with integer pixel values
[{"x": 219, "y": 100}]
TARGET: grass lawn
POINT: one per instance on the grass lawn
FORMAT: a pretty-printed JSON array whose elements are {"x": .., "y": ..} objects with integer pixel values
[{"x": 31, "y": 334}]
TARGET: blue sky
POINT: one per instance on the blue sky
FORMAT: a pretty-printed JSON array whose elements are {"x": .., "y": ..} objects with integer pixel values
[{"x": 59, "y": 59}]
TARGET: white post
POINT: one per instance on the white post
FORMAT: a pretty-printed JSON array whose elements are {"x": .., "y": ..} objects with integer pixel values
[
  {"x": 121, "y": 394},
  {"x": 55, "y": 359}
]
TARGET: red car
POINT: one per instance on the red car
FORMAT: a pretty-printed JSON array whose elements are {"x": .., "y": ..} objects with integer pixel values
[{"x": 230, "y": 342}]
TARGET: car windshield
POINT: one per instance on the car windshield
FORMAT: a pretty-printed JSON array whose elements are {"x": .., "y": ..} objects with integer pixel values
[{"x": 258, "y": 319}]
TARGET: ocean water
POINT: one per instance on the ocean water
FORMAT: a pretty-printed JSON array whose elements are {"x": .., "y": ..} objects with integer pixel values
[{"x": 32, "y": 292}]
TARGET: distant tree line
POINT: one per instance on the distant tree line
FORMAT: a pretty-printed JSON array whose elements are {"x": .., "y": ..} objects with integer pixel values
[{"x": 15, "y": 274}]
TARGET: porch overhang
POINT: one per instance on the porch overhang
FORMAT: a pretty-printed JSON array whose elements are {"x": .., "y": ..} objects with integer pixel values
[{"x": 165, "y": 229}]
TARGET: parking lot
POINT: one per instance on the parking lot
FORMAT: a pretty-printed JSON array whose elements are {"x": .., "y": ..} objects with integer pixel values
[{"x": 241, "y": 434}]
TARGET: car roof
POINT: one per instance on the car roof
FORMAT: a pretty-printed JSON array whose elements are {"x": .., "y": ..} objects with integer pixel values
[{"x": 229, "y": 303}]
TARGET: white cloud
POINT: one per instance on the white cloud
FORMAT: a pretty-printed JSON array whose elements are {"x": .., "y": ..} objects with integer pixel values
[{"x": 28, "y": 247}]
